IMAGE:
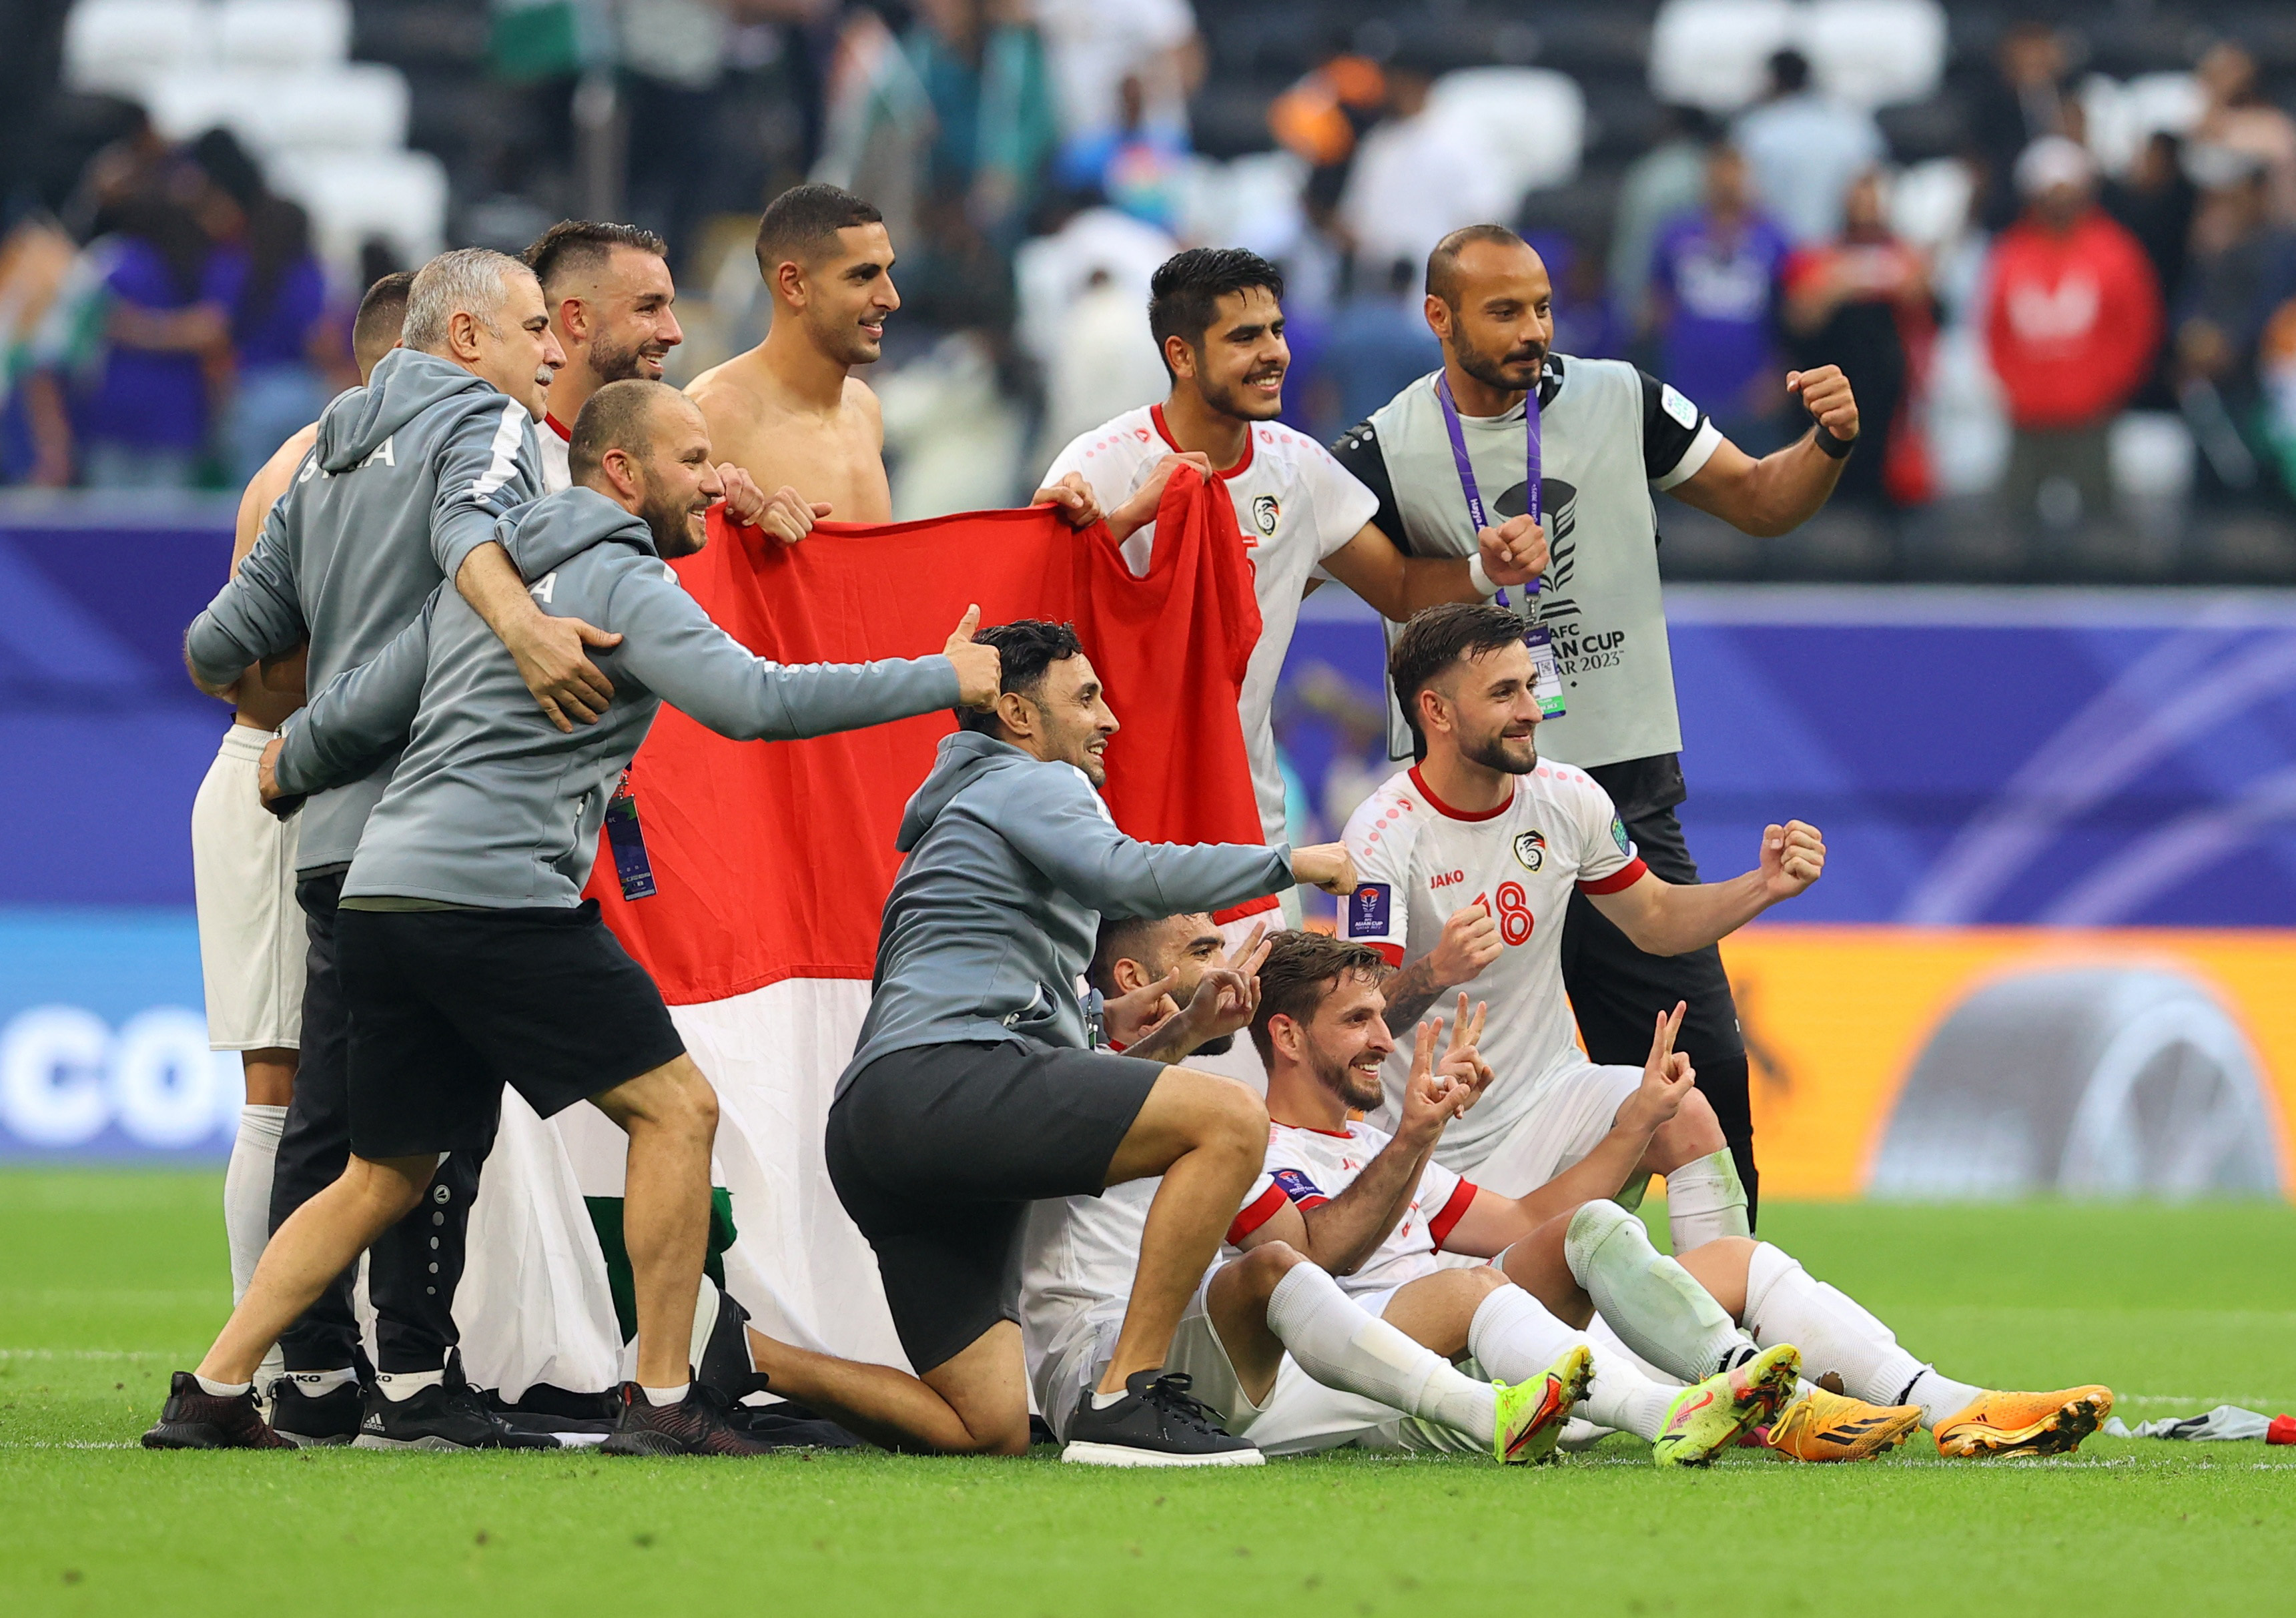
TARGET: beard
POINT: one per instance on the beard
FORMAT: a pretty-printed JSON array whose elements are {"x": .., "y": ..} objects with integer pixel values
[
  {"x": 1244, "y": 407},
  {"x": 1359, "y": 1087},
  {"x": 671, "y": 523},
  {"x": 1513, "y": 373},
  {"x": 621, "y": 364},
  {"x": 1511, "y": 755}
]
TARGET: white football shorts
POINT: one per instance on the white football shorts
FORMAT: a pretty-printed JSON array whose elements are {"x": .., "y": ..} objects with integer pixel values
[
  {"x": 252, "y": 943},
  {"x": 1574, "y": 1111}
]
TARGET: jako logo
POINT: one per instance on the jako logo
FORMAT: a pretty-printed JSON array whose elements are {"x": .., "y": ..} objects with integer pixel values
[
  {"x": 1447, "y": 878},
  {"x": 65, "y": 1076}
]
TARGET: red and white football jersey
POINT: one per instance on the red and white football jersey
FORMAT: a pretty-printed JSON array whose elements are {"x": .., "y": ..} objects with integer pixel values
[
  {"x": 1418, "y": 860},
  {"x": 1309, "y": 1167},
  {"x": 1294, "y": 505}
]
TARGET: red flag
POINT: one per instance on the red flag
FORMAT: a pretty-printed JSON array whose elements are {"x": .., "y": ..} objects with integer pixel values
[{"x": 772, "y": 860}]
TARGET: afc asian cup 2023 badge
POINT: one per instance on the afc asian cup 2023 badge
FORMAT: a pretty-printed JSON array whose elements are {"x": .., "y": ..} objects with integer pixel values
[{"x": 1531, "y": 849}]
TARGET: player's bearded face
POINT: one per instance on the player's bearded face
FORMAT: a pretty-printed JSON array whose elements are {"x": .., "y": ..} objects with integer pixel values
[
  {"x": 1241, "y": 361},
  {"x": 1345, "y": 1047},
  {"x": 1495, "y": 711}
]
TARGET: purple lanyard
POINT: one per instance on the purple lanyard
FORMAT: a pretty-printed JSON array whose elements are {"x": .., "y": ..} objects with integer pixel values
[{"x": 1475, "y": 512}]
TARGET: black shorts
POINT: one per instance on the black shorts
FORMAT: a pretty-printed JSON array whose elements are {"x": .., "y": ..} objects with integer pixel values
[
  {"x": 937, "y": 1152},
  {"x": 448, "y": 1006}
]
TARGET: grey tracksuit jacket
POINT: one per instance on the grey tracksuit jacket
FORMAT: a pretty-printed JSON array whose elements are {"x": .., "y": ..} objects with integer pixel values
[
  {"x": 408, "y": 477},
  {"x": 492, "y": 805},
  {"x": 1012, "y": 863}
]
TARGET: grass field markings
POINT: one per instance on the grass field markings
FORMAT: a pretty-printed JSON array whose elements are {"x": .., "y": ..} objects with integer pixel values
[
  {"x": 54, "y": 1353},
  {"x": 2207, "y": 1401}
]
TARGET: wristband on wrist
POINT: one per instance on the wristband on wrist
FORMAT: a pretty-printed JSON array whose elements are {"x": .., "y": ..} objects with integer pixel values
[
  {"x": 1836, "y": 449},
  {"x": 1477, "y": 576}
]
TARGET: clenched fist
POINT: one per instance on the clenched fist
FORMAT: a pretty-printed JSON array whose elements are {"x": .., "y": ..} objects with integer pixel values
[
  {"x": 1793, "y": 857},
  {"x": 1471, "y": 941}
]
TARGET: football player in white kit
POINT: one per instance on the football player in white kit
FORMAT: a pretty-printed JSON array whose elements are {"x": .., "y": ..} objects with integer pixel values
[
  {"x": 1217, "y": 318},
  {"x": 1305, "y": 1358},
  {"x": 1466, "y": 864}
]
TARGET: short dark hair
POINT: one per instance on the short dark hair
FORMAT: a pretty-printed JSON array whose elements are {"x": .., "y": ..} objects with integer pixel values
[
  {"x": 1184, "y": 293},
  {"x": 572, "y": 246},
  {"x": 1026, "y": 647},
  {"x": 617, "y": 416},
  {"x": 1439, "y": 636},
  {"x": 1790, "y": 70},
  {"x": 1443, "y": 263},
  {"x": 804, "y": 220},
  {"x": 1301, "y": 970},
  {"x": 1121, "y": 938},
  {"x": 381, "y": 312}
]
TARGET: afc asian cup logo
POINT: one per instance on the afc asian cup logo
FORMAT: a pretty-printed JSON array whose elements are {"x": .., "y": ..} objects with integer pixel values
[
  {"x": 1265, "y": 510},
  {"x": 1531, "y": 849},
  {"x": 1368, "y": 910}
]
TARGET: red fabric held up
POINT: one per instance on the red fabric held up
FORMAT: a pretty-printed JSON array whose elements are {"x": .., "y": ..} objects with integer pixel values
[{"x": 772, "y": 860}]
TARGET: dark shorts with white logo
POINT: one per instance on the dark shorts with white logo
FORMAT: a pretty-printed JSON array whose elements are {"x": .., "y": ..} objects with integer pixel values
[
  {"x": 446, "y": 1006},
  {"x": 937, "y": 1152}
]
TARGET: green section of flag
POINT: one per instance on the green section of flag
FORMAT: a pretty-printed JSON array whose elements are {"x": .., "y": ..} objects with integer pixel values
[{"x": 606, "y": 1215}]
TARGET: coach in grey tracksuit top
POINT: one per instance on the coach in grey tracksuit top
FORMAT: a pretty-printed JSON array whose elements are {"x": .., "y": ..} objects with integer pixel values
[
  {"x": 408, "y": 477},
  {"x": 1011, "y": 862},
  {"x": 493, "y": 806}
]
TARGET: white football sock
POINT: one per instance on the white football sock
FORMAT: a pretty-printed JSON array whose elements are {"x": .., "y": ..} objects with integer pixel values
[
  {"x": 1342, "y": 1346},
  {"x": 663, "y": 1398},
  {"x": 1514, "y": 1337},
  {"x": 221, "y": 1390},
  {"x": 1705, "y": 1201},
  {"x": 1603, "y": 1335},
  {"x": 406, "y": 1385},
  {"x": 1652, "y": 1302},
  {"x": 1784, "y": 1303},
  {"x": 247, "y": 1191},
  {"x": 311, "y": 1385}
]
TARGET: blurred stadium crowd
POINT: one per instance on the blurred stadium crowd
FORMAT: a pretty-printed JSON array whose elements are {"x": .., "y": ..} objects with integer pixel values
[{"x": 2056, "y": 252}]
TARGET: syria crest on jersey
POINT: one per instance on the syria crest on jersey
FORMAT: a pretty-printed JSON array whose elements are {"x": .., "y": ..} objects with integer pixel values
[
  {"x": 1531, "y": 849},
  {"x": 1265, "y": 509}
]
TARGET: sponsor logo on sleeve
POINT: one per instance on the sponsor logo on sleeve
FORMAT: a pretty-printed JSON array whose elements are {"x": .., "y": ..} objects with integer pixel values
[
  {"x": 1531, "y": 849},
  {"x": 1619, "y": 835},
  {"x": 1368, "y": 910},
  {"x": 1680, "y": 408},
  {"x": 1296, "y": 1185}
]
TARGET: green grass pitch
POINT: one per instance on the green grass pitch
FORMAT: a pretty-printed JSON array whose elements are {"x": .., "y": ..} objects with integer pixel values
[{"x": 110, "y": 1280}]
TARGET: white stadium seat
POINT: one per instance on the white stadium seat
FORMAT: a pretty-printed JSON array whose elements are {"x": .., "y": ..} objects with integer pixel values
[
  {"x": 400, "y": 196},
  {"x": 1873, "y": 53},
  {"x": 117, "y": 45},
  {"x": 282, "y": 33},
  {"x": 1716, "y": 54},
  {"x": 1532, "y": 120},
  {"x": 357, "y": 107},
  {"x": 186, "y": 103},
  {"x": 2121, "y": 117}
]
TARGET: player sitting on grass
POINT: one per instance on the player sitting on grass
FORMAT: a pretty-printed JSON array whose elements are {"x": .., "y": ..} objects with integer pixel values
[{"x": 1358, "y": 1371}]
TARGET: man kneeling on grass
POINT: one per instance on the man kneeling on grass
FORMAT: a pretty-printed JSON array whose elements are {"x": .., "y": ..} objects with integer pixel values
[{"x": 469, "y": 957}]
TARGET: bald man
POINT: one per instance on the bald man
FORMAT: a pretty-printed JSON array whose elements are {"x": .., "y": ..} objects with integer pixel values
[
  {"x": 468, "y": 956},
  {"x": 251, "y": 941}
]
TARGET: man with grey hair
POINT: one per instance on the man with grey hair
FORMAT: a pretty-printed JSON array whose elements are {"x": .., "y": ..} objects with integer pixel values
[
  {"x": 401, "y": 490},
  {"x": 468, "y": 958}
]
